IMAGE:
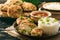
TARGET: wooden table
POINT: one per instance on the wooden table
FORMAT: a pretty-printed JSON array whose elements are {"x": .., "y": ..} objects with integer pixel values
[{"x": 56, "y": 15}]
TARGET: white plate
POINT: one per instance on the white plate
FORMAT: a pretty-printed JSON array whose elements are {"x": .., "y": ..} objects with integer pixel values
[{"x": 52, "y": 6}]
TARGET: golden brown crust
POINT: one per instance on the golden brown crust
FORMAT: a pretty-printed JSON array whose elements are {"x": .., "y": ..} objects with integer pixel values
[
  {"x": 14, "y": 8},
  {"x": 37, "y": 32},
  {"x": 14, "y": 2},
  {"x": 26, "y": 27},
  {"x": 23, "y": 19},
  {"x": 13, "y": 11},
  {"x": 29, "y": 6},
  {"x": 25, "y": 24},
  {"x": 3, "y": 14},
  {"x": 4, "y": 8},
  {"x": 27, "y": 14}
]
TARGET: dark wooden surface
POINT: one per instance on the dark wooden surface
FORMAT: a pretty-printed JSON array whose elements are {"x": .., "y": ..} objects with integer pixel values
[{"x": 55, "y": 15}]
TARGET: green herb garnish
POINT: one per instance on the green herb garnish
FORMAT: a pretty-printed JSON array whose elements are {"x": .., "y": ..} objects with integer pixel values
[
  {"x": 47, "y": 20},
  {"x": 23, "y": 31},
  {"x": 55, "y": 20},
  {"x": 43, "y": 22},
  {"x": 21, "y": 17},
  {"x": 41, "y": 19},
  {"x": 32, "y": 21}
]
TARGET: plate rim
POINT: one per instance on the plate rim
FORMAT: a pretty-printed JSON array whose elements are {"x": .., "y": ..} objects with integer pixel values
[{"x": 50, "y": 9}]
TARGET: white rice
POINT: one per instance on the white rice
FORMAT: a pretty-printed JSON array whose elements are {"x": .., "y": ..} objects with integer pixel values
[{"x": 49, "y": 29}]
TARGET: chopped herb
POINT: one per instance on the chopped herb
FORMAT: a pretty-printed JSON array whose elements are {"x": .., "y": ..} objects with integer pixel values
[
  {"x": 55, "y": 20},
  {"x": 43, "y": 22},
  {"x": 23, "y": 31},
  {"x": 47, "y": 20},
  {"x": 21, "y": 17},
  {"x": 19, "y": 30},
  {"x": 32, "y": 21}
]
